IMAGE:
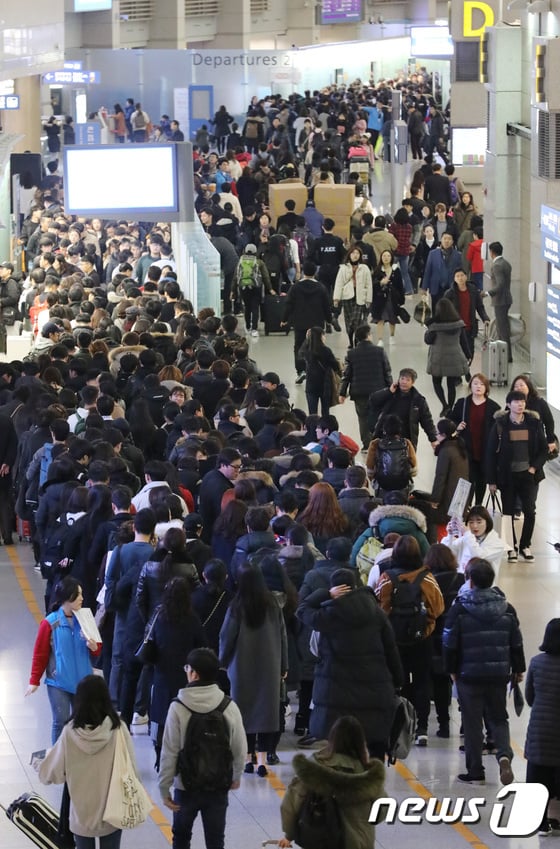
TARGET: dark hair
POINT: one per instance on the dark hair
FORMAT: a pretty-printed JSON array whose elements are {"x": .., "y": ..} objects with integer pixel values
[
  {"x": 362, "y": 332},
  {"x": 205, "y": 663},
  {"x": 92, "y": 704},
  {"x": 65, "y": 590},
  {"x": 346, "y": 737},
  {"x": 355, "y": 476},
  {"x": 215, "y": 573},
  {"x": 257, "y": 519},
  {"x": 480, "y": 572},
  {"x": 173, "y": 544},
  {"x": 440, "y": 558},
  {"x": 121, "y": 497},
  {"x": 551, "y": 641},
  {"x": 532, "y": 391},
  {"x": 496, "y": 248},
  {"x": 482, "y": 513},
  {"x": 406, "y": 554},
  {"x": 176, "y": 600},
  {"x": 392, "y": 425},
  {"x": 515, "y": 395},
  {"x": 483, "y": 379},
  {"x": 448, "y": 428},
  {"x": 253, "y": 599},
  {"x": 145, "y": 521},
  {"x": 231, "y": 521},
  {"x": 445, "y": 311},
  {"x": 339, "y": 548}
]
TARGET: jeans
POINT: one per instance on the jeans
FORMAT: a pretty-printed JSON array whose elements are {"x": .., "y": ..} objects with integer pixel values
[
  {"x": 109, "y": 841},
  {"x": 212, "y": 806},
  {"x": 477, "y": 278},
  {"x": 61, "y": 706},
  {"x": 488, "y": 699},
  {"x": 402, "y": 260}
]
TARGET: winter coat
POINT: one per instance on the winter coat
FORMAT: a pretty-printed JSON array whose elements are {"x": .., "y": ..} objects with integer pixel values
[
  {"x": 451, "y": 465},
  {"x": 336, "y": 478},
  {"x": 383, "y": 403},
  {"x": 358, "y": 667},
  {"x": 212, "y": 488},
  {"x": 344, "y": 289},
  {"x": 173, "y": 641},
  {"x": 297, "y": 560},
  {"x": 481, "y": 637},
  {"x": 351, "y": 501},
  {"x": 491, "y": 548},
  {"x": 210, "y": 605},
  {"x": 255, "y": 659},
  {"x": 446, "y": 357},
  {"x": 392, "y": 292},
  {"x": 394, "y": 518},
  {"x": 354, "y": 787},
  {"x": 380, "y": 240},
  {"x": 476, "y": 305},
  {"x": 151, "y": 584},
  {"x": 439, "y": 271},
  {"x": 462, "y": 215},
  {"x": 450, "y": 583},
  {"x": 83, "y": 757},
  {"x": 249, "y": 544},
  {"x": 200, "y": 698},
  {"x": 307, "y": 305},
  {"x": 316, "y": 367},
  {"x": 366, "y": 370},
  {"x": 264, "y": 485},
  {"x": 461, "y": 413},
  {"x": 542, "y": 692},
  {"x": 499, "y": 454},
  {"x": 429, "y": 588}
]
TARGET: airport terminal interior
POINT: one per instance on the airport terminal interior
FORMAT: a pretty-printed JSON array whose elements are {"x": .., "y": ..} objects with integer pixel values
[{"x": 253, "y": 813}]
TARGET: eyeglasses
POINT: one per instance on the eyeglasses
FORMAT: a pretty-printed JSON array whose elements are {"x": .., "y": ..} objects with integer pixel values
[{"x": 235, "y": 466}]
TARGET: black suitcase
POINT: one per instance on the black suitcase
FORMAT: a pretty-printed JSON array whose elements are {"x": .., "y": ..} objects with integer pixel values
[
  {"x": 273, "y": 309},
  {"x": 36, "y": 819}
]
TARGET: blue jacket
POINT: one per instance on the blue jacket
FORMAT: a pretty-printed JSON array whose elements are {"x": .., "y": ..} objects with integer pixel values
[
  {"x": 69, "y": 660},
  {"x": 438, "y": 274}
]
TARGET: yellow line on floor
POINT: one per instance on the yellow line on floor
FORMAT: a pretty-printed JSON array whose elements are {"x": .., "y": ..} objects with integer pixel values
[{"x": 157, "y": 815}]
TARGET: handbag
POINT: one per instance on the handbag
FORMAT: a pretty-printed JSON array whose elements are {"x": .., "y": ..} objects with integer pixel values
[
  {"x": 403, "y": 314},
  {"x": 422, "y": 312},
  {"x": 128, "y": 804},
  {"x": 335, "y": 381},
  {"x": 518, "y": 700},
  {"x": 147, "y": 652}
]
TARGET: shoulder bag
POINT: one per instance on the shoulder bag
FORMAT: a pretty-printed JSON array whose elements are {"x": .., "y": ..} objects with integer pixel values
[
  {"x": 147, "y": 652},
  {"x": 128, "y": 804}
]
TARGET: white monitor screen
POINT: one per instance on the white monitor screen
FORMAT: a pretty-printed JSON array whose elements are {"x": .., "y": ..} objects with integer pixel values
[
  {"x": 137, "y": 179},
  {"x": 468, "y": 145},
  {"x": 92, "y": 5},
  {"x": 430, "y": 41}
]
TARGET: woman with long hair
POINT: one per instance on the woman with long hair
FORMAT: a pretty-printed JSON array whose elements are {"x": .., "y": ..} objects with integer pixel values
[
  {"x": 388, "y": 295},
  {"x": 451, "y": 465},
  {"x": 447, "y": 352},
  {"x": 211, "y": 600},
  {"x": 536, "y": 403},
  {"x": 170, "y": 560},
  {"x": 474, "y": 417},
  {"x": 228, "y": 528},
  {"x": 62, "y": 652},
  {"x": 176, "y": 631},
  {"x": 119, "y": 123},
  {"x": 354, "y": 289},
  {"x": 323, "y": 516},
  {"x": 343, "y": 770},
  {"x": 463, "y": 212},
  {"x": 320, "y": 362},
  {"x": 254, "y": 650},
  {"x": 84, "y": 758},
  {"x": 442, "y": 563}
]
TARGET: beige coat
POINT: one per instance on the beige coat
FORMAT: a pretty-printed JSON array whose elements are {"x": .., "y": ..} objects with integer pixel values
[{"x": 344, "y": 287}]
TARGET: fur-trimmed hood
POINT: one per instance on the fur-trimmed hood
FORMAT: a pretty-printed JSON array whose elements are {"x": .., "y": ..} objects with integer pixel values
[
  {"x": 284, "y": 479},
  {"x": 256, "y": 475},
  {"x": 398, "y": 511},
  {"x": 116, "y": 353},
  {"x": 501, "y": 415},
  {"x": 341, "y": 776}
]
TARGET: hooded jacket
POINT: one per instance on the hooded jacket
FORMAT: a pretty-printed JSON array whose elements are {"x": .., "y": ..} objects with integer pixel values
[
  {"x": 83, "y": 757},
  {"x": 354, "y": 787},
  {"x": 307, "y": 305},
  {"x": 481, "y": 637},
  {"x": 394, "y": 518},
  {"x": 446, "y": 357},
  {"x": 499, "y": 454}
]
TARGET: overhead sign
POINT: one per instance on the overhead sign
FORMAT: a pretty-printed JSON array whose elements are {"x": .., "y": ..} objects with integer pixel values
[
  {"x": 477, "y": 16},
  {"x": 553, "y": 346},
  {"x": 71, "y": 77},
  {"x": 341, "y": 11},
  {"x": 73, "y": 65},
  {"x": 550, "y": 234},
  {"x": 9, "y": 101}
]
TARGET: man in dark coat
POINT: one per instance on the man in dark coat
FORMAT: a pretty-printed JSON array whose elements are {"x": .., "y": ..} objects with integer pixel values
[
  {"x": 436, "y": 187},
  {"x": 403, "y": 400},
  {"x": 441, "y": 265},
  {"x": 307, "y": 305},
  {"x": 500, "y": 292},
  {"x": 356, "y": 647},
  {"x": 366, "y": 370},
  {"x": 483, "y": 651},
  {"x": 213, "y": 486}
]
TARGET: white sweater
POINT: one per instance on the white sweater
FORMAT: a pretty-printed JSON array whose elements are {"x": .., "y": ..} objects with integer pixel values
[{"x": 465, "y": 547}]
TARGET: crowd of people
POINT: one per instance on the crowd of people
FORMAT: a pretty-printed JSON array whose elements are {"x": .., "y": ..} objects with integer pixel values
[{"x": 170, "y": 486}]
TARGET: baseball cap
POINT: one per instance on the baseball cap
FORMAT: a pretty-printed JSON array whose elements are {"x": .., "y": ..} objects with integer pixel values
[
  {"x": 51, "y": 327},
  {"x": 192, "y": 523},
  {"x": 250, "y": 249}
]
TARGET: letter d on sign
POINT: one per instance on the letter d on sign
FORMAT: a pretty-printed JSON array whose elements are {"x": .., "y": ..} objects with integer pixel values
[
  {"x": 528, "y": 807},
  {"x": 469, "y": 8}
]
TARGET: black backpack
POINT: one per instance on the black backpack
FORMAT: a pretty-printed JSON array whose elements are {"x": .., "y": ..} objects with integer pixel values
[
  {"x": 319, "y": 824},
  {"x": 392, "y": 466},
  {"x": 408, "y": 615},
  {"x": 206, "y": 761}
]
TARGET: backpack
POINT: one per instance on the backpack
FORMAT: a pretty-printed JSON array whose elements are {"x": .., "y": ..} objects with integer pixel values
[
  {"x": 408, "y": 616},
  {"x": 248, "y": 273},
  {"x": 206, "y": 761},
  {"x": 251, "y": 130},
  {"x": 392, "y": 465},
  {"x": 46, "y": 460},
  {"x": 80, "y": 424},
  {"x": 319, "y": 824},
  {"x": 52, "y": 550},
  {"x": 365, "y": 558},
  {"x": 140, "y": 121},
  {"x": 453, "y": 191},
  {"x": 302, "y": 238},
  {"x": 403, "y": 730}
]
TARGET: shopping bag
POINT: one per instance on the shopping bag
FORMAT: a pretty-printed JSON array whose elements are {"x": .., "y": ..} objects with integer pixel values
[{"x": 128, "y": 804}]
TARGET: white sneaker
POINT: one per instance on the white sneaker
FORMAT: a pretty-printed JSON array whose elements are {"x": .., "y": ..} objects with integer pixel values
[
  {"x": 140, "y": 719},
  {"x": 254, "y": 333}
]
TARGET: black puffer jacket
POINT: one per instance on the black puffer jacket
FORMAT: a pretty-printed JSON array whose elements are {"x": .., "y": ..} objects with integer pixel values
[
  {"x": 384, "y": 402},
  {"x": 481, "y": 637},
  {"x": 542, "y": 691},
  {"x": 151, "y": 583},
  {"x": 499, "y": 453},
  {"x": 358, "y": 667},
  {"x": 366, "y": 370}
]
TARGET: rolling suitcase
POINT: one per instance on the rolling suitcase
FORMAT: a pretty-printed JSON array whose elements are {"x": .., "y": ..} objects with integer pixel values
[
  {"x": 273, "y": 314},
  {"x": 36, "y": 819},
  {"x": 23, "y": 529},
  {"x": 495, "y": 362}
]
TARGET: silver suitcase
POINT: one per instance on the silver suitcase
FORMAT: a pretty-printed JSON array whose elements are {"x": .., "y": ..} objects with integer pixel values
[{"x": 495, "y": 362}]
